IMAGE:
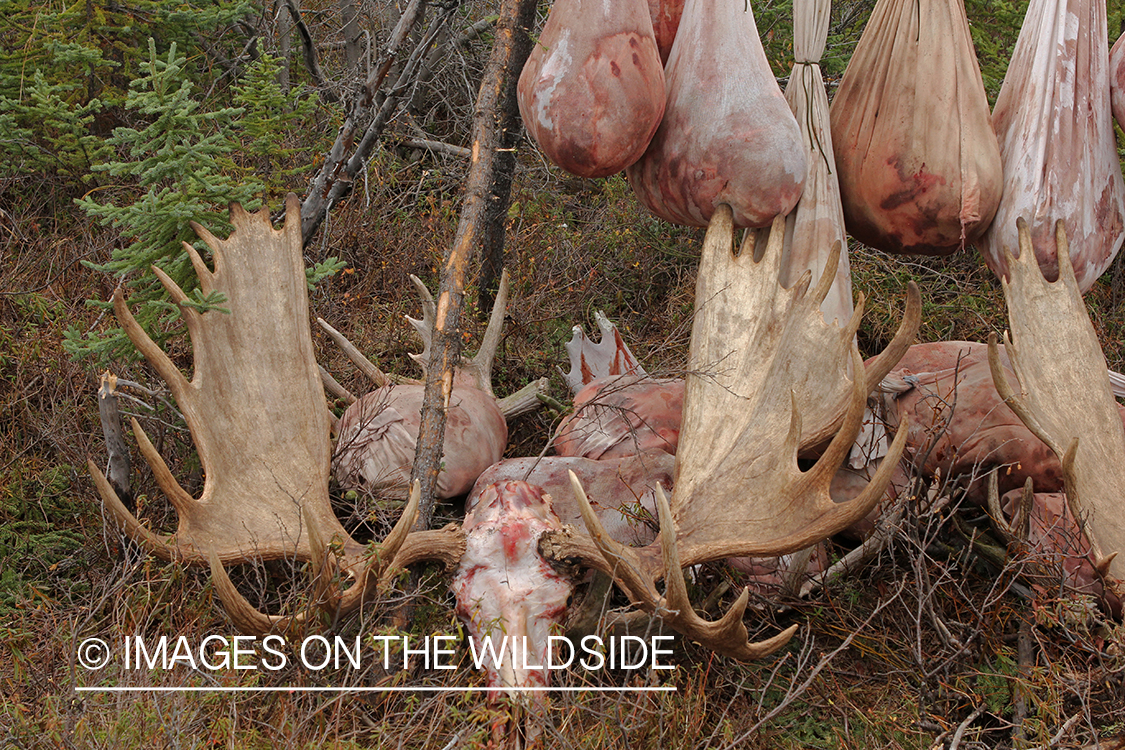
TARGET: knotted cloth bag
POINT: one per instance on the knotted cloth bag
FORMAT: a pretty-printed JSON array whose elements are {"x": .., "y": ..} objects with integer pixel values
[
  {"x": 817, "y": 223},
  {"x": 728, "y": 135},
  {"x": 919, "y": 166},
  {"x": 1053, "y": 119}
]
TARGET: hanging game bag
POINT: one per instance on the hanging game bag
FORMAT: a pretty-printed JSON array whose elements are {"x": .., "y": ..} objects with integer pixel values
[
  {"x": 1053, "y": 119},
  {"x": 592, "y": 91},
  {"x": 728, "y": 135},
  {"x": 919, "y": 166},
  {"x": 817, "y": 223}
]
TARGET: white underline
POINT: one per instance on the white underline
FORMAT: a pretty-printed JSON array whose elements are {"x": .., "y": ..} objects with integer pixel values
[{"x": 231, "y": 689}]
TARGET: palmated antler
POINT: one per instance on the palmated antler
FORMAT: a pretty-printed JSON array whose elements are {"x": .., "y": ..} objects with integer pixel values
[
  {"x": 1064, "y": 394},
  {"x": 610, "y": 356},
  {"x": 765, "y": 364},
  {"x": 767, "y": 377},
  {"x": 726, "y": 635},
  {"x": 256, "y": 411}
]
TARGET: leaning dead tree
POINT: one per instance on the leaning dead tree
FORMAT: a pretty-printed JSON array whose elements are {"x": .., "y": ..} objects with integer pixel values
[
  {"x": 486, "y": 195},
  {"x": 369, "y": 109}
]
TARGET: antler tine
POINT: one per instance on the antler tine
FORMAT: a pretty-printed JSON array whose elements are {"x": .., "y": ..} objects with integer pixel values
[
  {"x": 425, "y": 326},
  {"x": 884, "y": 362},
  {"x": 574, "y": 379},
  {"x": 606, "y": 328},
  {"x": 752, "y": 240},
  {"x": 624, "y": 564},
  {"x": 394, "y": 541},
  {"x": 324, "y": 568},
  {"x": 213, "y": 242},
  {"x": 482, "y": 362},
  {"x": 365, "y": 366},
  {"x": 374, "y": 570},
  {"x": 828, "y": 275},
  {"x": 994, "y": 510},
  {"x": 1020, "y": 526},
  {"x": 151, "y": 351},
  {"x": 125, "y": 520},
  {"x": 177, "y": 495},
  {"x": 333, "y": 387},
  {"x": 403, "y": 546},
  {"x": 1062, "y": 250},
  {"x": 838, "y": 448},
  {"x": 1074, "y": 498},
  {"x": 834, "y": 456},
  {"x": 727, "y": 635},
  {"x": 1008, "y": 393},
  {"x": 202, "y": 272}
]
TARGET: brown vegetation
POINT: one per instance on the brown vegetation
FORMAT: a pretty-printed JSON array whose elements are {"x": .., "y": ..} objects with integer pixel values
[{"x": 940, "y": 642}]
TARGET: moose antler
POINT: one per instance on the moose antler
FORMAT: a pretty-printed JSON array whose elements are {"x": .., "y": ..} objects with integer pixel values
[
  {"x": 256, "y": 410},
  {"x": 763, "y": 364},
  {"x": 610, "y": 356},
  {"x": 726, "y": 636},
  {"x": 1064, "y": 394},
  {"x": 480, "y": 366}
]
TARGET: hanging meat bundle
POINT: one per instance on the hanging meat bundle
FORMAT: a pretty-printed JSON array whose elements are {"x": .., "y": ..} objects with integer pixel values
[
  {"x": 592, "y": 91},
  {"x": 728, "y": 135},
  {"x": 817, "y": 223},
  {"x": 1056, "y": 136},
  {"x": 665, "y": 20},
  {"x": 919, "y": 165},
  {"x": 1117, "y": 80}
]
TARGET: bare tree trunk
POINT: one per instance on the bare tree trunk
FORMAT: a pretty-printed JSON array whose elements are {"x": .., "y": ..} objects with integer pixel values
[
  {"x": 353, "y": 50},
  {"x": 308, "y": 45},
  {"x": 500, "y": 191},
  {"x": 491, "y": 135},
  {"x": 118, "y": 466},
  {"x": 367, "y": 118},
  {"x": 284, "y": 28}
]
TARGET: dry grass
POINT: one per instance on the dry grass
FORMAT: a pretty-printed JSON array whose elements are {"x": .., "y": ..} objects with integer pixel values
[{"x": 918, "y": 650}]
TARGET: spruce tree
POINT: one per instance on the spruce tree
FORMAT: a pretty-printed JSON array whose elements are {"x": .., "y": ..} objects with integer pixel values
[
  {"x": 42, "y": 133},
  {"x": 267, "y": 128},
  {"x": 176, "y": 162}
]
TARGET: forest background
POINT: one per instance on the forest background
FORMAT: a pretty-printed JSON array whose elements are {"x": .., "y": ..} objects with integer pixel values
[{"x": 120, "y": 121}]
